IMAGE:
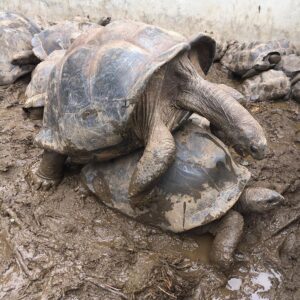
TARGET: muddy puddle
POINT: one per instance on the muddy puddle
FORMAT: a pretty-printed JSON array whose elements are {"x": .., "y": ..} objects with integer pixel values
[{"x": 64, "y": 244}]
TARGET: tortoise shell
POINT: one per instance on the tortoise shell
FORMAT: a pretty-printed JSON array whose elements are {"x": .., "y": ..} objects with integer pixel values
[
  {"x": 269, "y": 85},
  {"x": 290, "y": 65},
  {"x": 93, "y": 90},
  {"x": 36, "y": 90},
  {"x": 241, "y": 58},
  {"x": 16, "y": 33},
  {"x": 58, "y": 37},
  {"x": 201, "y": 185}
]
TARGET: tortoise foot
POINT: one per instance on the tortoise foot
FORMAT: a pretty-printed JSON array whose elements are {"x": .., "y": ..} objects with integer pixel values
[
  {"x": 228, "y": 234},
  {"x": 49, "y": 172},
  {"x": 40, "y": 182}
]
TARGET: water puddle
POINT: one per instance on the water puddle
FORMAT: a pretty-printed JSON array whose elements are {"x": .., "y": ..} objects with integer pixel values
[{"x": 255, "y": 284}]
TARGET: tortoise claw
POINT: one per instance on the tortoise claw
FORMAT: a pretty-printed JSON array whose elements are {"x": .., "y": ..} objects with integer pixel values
[{"x": 37, "y": 182}]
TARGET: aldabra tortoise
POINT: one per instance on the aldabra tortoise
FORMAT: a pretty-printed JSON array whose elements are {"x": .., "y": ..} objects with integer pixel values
[
  {"x": 16, "y": 56},
  {"x": 249, "y": 59},
  {"x": 36, "y": 91},
  {"x": 58, "y": 37},
  {"x": 269, "y": 85},
  {"x": 129, "y": 85},
  {"x": 200, "y": 187}
]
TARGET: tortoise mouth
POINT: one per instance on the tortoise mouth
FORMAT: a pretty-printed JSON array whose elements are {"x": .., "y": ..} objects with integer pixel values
[{"x": 240, "y": 150}]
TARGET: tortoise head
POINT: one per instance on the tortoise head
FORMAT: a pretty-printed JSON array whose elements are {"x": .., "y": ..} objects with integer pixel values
[{"x": 248, "y": 138}]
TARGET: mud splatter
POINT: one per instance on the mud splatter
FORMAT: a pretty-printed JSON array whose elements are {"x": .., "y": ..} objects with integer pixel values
[{"x": 63, "y": 244}]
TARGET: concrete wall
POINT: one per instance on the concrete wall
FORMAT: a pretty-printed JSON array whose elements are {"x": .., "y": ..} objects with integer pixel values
[{"x": 238, "y": 19}]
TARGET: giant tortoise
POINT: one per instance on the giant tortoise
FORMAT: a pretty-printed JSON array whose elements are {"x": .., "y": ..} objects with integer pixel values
[
  {"x": 268, "y": 85},
  {"x": 36, "y": 91},
  {"x": 200, "y": 187},
  {"x": 249, "y": 59},
  {"x": 16, "y": 56},
  {"x": 129, "y": 85},
  {"x": 58, "y": 37}
]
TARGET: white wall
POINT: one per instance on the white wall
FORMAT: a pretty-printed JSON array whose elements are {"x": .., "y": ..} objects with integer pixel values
[{"x": 238, "y": 19}]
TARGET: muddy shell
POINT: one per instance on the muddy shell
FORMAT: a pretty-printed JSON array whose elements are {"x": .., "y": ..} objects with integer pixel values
[
  {"x": 269, "y": 85},
  {"x": 58, "y": 37},
  {"x": 94, "y": 88},
  {"x": 36, "y": 91},
  {"x": 201, "y": 185},
  {"x": 248, "y": 59},
  {"x": 16, "y": 33}
]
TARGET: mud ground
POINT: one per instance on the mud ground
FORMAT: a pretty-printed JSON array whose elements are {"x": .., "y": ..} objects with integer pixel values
[{"x": 64, "y": 244}]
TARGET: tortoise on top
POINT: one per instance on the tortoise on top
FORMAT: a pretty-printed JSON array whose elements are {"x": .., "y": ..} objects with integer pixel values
[
  {"x": 248, "y": 59},
  {"x": 199, "y": 189},
  {"x": 129, "y": 85},
  {"x": 58, "y": 37},
  {"x": 16, "y": 56}
]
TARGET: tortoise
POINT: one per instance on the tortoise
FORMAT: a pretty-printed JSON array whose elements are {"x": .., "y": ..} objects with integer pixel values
[
  {"x": 16, "y": 56},
  {"x": 129, "y": 85},
  {"x": 36, "y": 91},
  {"x": 221, "y": 48},
  {"x": 59, "y": 36},
  {"x": 290, "y": 65},
  {"x": 295, "y": 91},
  {"x": 269, "y": 85},
  {"x": 249, "y": 59},
  {"x": 197, "y": 192}
]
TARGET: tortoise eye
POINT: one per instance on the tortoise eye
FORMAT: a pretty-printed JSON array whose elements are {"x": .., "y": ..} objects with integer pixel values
[{"x": 253, "y": 149}]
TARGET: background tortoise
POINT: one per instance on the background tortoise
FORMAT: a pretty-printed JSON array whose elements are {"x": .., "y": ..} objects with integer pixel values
[
  {"x": 16, "y": 56},
  {"x": 129, "y": 85},
  {"x": 58, "y": 37},
  {"x": 248, "y": 59},
  {"x": 201, "y": 186},
  {"x": 295, "y": 91},
  {"x": 269, "y": 85},
  {"x": 290, "y": 65},
  {"x": 36, "y": 91}
]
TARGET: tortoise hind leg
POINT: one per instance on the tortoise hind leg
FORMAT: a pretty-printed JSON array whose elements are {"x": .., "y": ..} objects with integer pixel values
[
  {"x": 227, "y": 236},
  {"x": 49, "y": 172}
]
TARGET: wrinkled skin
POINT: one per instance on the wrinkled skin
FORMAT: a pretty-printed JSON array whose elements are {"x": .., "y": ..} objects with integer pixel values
[
  {"x": 174, "y": 92},
  {"x": 197, "y": 192}
]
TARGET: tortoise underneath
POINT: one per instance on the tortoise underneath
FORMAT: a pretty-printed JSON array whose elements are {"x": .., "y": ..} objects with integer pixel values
[{"x": 198, "y": 191}]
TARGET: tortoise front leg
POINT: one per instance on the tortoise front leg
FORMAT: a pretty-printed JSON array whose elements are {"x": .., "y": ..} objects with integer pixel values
[
  {"x": 49, "y": 172},
  {"x": 227, "y": 236}
]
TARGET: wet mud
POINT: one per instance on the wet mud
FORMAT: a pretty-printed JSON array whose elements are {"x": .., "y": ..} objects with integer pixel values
[{"x": 64, "y": 244}]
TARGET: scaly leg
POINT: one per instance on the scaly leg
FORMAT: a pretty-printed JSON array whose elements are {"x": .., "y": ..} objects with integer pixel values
[
  {"x": 228, "y": 234},
  {"x": 49, "y": 172}
]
